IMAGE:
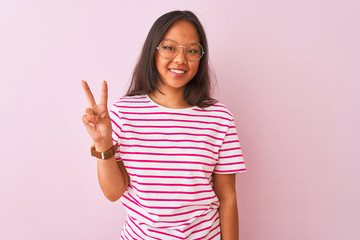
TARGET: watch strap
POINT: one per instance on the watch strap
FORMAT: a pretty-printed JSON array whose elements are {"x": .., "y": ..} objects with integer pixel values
[{"x": 104, "y": 155}]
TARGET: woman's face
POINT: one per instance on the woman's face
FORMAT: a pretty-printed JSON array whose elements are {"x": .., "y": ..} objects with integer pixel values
[{"x": 177, "y": 72}]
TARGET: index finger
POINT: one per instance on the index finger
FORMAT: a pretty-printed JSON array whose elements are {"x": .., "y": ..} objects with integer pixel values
[
  {"x": 104, "y": 94},
  {"x": 88, "y": 93}
]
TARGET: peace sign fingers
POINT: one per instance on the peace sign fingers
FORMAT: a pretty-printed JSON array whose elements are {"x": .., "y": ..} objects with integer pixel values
[
  {"x": 97, "y": 119},
  {"x": 90, "y": 97},
  {"x": 88, "y": 93}
]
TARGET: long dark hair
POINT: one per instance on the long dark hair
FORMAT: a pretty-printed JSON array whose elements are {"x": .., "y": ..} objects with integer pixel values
[{"x": 144, "y": 78}]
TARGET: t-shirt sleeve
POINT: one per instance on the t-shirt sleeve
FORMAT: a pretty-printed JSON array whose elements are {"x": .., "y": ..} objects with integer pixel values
[
  {"x": 230, "y": 154},
  {"x": 116, "y": 129}
]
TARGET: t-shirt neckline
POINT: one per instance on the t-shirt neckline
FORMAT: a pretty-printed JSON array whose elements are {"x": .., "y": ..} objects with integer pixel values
[{"x": 170, "y": 109}]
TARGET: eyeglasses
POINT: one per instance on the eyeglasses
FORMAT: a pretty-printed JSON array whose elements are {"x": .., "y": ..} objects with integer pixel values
[{"x": 168, "y": 49}]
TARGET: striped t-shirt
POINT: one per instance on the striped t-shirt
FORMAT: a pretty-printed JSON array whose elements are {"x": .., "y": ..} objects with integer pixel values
[{"x": 170, "y": 156}]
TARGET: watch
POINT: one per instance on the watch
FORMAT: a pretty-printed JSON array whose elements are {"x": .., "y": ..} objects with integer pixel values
[{"x": 104, "y": 155}]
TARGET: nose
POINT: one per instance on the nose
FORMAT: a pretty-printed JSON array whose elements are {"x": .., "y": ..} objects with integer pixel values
[{"x": 180, "y": 56}]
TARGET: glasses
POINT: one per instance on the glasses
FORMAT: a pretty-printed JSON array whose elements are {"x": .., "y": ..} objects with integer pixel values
[{"x": 168, "y": 49}]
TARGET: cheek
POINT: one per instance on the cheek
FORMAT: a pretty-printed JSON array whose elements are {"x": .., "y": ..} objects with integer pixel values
[
  {"x": 194, "y": 68},
  {"x": 161, "y": 63}
]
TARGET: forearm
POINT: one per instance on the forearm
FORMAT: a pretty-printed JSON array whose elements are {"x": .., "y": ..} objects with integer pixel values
[
  {"x": 112, "y": 180},
  {"x": 229, "y": 223}
]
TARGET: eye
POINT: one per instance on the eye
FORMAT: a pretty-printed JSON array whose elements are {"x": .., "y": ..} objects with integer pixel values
[
  {"x": 193, "y": 51},
  {"x": 168, "y": 48}
]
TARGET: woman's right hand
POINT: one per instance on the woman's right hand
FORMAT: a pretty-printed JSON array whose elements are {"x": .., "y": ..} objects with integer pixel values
[{"x": 97, "y": 119}]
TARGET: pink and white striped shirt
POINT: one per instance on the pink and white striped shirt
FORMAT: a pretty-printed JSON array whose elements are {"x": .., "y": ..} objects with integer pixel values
[{"x": 170, "y": 156}]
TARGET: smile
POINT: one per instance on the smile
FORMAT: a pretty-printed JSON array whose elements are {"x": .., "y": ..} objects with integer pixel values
[{"x": 178, "y": 71}]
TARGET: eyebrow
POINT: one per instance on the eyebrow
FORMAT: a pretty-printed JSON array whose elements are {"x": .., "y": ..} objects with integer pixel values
[{"x": 178, "y": 43}]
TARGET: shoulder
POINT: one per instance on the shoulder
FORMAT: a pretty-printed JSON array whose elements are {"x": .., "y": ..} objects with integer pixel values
[
  {"x": 218, "y": 109},
  {"x": 128, "y": 101},
  {"x": 131, "y": 99}
]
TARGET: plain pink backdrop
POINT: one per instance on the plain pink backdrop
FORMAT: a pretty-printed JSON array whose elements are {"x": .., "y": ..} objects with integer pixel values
[{"x": 289, "y": 71}]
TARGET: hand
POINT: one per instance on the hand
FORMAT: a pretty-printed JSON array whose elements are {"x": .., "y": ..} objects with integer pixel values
[{"x": 97, "y": 119}]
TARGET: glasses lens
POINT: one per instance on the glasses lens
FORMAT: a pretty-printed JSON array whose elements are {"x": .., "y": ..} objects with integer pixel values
[
  {"x": 194, "y": 52},
  {"x": 167, "y": 49}
]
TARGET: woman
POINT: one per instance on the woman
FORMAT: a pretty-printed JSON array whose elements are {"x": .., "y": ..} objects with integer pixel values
[{"x": 167, "y": 148}]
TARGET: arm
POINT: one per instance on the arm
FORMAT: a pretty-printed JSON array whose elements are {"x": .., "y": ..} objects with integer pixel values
[
  {"x": 224, "y": 187},
  {"x": 112, "y": 176}
]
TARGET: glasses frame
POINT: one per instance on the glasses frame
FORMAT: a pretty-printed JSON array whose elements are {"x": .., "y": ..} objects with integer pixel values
[{"x": 177, "y": 50}]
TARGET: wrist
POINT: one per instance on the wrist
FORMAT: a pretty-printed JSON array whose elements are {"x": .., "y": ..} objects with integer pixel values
[
  {"x": 103, "y": 146},
  {"x": 107, "y": 154}
]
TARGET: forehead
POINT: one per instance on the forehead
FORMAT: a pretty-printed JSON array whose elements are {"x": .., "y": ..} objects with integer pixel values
[{"x": 183, "y": 32}]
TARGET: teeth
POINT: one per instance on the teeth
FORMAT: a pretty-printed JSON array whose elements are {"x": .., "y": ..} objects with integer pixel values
[{"x": 177, "y": 71}]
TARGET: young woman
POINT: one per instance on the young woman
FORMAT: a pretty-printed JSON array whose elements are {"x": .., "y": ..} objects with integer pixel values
[{"x": 167, "y": 148}]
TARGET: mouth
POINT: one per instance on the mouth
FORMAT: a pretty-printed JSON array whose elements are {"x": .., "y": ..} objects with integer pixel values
[{"x": 177, "y": 71}]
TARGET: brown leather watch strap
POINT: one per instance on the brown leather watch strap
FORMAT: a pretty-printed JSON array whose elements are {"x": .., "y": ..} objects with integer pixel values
[{"x": 104, "y": 155}]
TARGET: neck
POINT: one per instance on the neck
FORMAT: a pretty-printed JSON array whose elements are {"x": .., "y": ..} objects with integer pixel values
[{"x": 170, "y": 98}]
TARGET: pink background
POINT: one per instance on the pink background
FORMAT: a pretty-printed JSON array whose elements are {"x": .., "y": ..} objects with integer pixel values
[{"x": 289, "y": 71}]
